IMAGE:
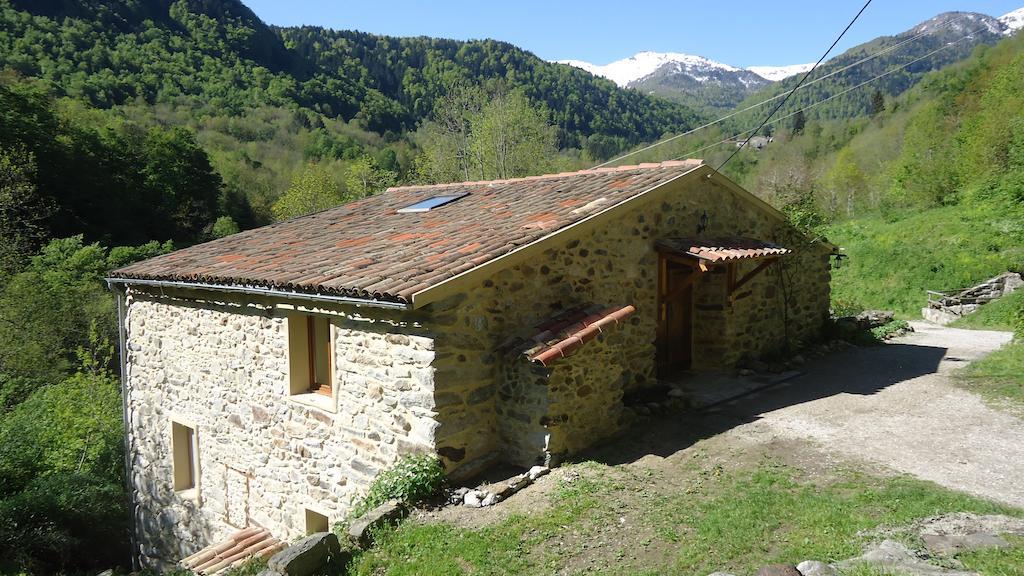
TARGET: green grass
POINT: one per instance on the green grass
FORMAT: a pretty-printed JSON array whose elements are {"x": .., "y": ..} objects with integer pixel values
[
  {"x": 999, "y": 376},
  {"x": 996, "y": 561},
  {"x": 627, "y": 524},
  {"x": 894, "y": 259},
  {"x": 997, "y": 315}
]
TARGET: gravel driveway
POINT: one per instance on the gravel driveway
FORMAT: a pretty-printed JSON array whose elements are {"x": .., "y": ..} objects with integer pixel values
[{"x": 896, "y": 405}]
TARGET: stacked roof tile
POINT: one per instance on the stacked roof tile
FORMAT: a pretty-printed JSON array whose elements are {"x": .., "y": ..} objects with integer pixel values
[
  {"x": 234, "y": 551},
  {"x": 367, "y": 249},
  {"x": 562, "y": 335},
  {"x": 722, "y": 249}
]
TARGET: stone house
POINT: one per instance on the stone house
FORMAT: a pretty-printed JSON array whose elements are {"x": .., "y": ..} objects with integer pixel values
[{"x": 270, "y": 375}]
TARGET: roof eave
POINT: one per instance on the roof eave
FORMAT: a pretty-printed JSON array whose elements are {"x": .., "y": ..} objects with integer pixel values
[{"x": 260, "y": 291}]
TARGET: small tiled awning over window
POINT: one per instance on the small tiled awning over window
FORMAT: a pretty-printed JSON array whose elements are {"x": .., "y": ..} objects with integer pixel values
[
  {"x": 722, "y": 249},
  {"x": 234, "y": 551},
  {"x": 567, "y": 332}
]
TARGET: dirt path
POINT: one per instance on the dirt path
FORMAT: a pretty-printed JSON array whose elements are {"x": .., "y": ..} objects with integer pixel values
[{"x": 896, "y": 405}]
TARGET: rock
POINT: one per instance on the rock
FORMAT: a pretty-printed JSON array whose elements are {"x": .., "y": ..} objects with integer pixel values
[
  {"x": 361, "y": 529},
  {"x": 798, "y": 360},
  {"x": 457, "y": 495},
  {"x": 308, "y": 556},
  {"x": 746, "y": 372},
  {"x": 778, "y": 570},
  {"x": 489, "y": 500},
  {"x": 846, "y": 325},
  {"x": 537, "y": 472},
  {"x": 720, "y": 574},
  {"x": 892, "y": 556},
  {"x": 677, "y": 393},
  {"x": 474, "y": 498},
  {"x": 951, "y": 544},
  {"x": 816, "y": 568},
  {"x": 964, "y": 523},
  {"x": 874, "y": 318}
]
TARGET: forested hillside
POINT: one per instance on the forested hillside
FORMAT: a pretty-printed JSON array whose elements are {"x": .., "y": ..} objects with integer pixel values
[
  {"x": 931, "y": 45},
  {"x": 927, "y": 193}
]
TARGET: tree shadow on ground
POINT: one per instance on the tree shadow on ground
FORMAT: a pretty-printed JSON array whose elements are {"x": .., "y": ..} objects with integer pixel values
[{"x": 862, "y": 371}]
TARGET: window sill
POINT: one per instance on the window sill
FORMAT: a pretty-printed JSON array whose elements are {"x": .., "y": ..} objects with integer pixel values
[
  {"x": 188, "y": 494},
  {"x": 316, "y": 400}
]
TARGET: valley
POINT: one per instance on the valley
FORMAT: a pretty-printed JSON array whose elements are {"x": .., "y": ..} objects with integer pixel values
[{"x": 133, "y": 128}]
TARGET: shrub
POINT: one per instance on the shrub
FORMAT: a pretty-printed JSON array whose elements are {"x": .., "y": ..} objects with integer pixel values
[{"x": 413, "y": 479}]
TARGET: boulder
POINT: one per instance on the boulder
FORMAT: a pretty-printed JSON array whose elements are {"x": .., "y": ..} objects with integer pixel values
[
  {"x": 816, "y": 568},
  {"x": 361, "y": 529},
  {"x": 311, "y": 555},
  {"x": 778, "y": 570},
  {"x": 874, "y": 318},
  {"x": 891, "y": 556},
  {"x": 952, "y": 544}
]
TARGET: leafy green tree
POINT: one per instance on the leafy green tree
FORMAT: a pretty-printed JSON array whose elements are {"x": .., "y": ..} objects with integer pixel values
[
  {"x": 23, "y": 213},
  {"x": 48, "y": 309},
  {"x": 312, "y": 190},
  {"x": 363, "y": 178},
  {"x": 512, "y": 138},
  {"x": 224, "y": 226},
  {"x": 178, "y": 175},
  {"x": 62, "y": 499}
]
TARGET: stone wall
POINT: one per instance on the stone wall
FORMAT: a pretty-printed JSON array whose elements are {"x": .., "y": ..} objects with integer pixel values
[
  {"x": 613, "y": 265},
  {"x": 264, "y": 457}
]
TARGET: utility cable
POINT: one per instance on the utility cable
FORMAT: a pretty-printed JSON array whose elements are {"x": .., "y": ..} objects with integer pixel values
[
  {"x": 867, "y": 58},
  {"x": 753, "y": 131},
  {"x": 797, "y": 87}
]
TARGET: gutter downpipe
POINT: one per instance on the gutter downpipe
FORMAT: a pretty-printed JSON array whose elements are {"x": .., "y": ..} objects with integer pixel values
[
  {"x": 257, "y": 291},
  {"x": 123, "y": 362}
]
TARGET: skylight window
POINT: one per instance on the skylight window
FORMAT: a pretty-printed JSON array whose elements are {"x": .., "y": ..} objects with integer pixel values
[{"x": 431, "y": 203}]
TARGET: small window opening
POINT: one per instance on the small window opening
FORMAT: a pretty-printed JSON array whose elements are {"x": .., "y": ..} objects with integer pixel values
[
  {"x": 183, "y": 448},
  {"x": 316, "y": 522},
  {"x": 431, "y": 203},
  {"x": 310, "y": 351}
]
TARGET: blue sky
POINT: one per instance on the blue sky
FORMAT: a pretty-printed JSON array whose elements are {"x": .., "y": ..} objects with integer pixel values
[{"x": 741, "y": 32}]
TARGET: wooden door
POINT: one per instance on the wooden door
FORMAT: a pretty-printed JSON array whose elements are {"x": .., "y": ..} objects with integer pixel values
[{"x": 675, "y": 326}]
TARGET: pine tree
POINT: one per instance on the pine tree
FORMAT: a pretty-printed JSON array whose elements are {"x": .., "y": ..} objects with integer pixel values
[{"x": 877, "y": 102}]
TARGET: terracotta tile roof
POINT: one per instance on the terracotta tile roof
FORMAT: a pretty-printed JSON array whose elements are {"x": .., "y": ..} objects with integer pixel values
[
  {"x": 567, "y": 332},
  {"x": 365, "y": 249},
  {"x": 722, "y": 249},
  {"x": 234, "y": 551}
]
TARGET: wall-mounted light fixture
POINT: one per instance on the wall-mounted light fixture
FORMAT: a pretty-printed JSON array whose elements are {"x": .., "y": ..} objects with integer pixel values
[
  {"x": 838, "y": 263},
  {"x": 702, "y": 222}
]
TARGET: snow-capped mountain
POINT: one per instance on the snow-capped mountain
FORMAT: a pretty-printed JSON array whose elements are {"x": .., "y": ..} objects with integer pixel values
[
  {"x": 704, "y": 83},
  {"x": 624, "y": 72},
  {"x": 692, "y": 79},
  {"x": 1013, "y": 21},
  {"x": 776, "y": 73}
]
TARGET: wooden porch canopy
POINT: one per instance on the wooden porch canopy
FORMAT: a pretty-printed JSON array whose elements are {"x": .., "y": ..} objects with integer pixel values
[{"x": 704, "y": 254}]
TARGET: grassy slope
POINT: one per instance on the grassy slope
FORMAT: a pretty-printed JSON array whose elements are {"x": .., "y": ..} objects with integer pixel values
[
  {"x": 894, "y": 260},
  {"x": 615, "y": 521}
]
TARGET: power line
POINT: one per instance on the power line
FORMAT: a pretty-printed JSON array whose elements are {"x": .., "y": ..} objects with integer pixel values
[
  {"x": 795, "y": 88},
  {"x": 837, "y": 95},
  {"x": 868, "y": 58}
]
